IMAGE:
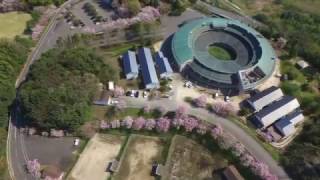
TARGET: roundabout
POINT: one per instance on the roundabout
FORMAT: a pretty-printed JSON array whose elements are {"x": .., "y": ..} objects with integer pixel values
[{"x": 222, "y": 53}]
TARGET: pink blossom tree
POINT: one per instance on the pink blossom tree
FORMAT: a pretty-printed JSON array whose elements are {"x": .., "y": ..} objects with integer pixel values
[
  {"x": 238, "y": 149},
  {"x": 223, "y": 109},
  {"x": 246, "y": 159},
  {"x": 200, "y": 101},
  {"x": 118, "y": 91},
  {"x": 190, "y": 123},
  {"x": 127, "y": 122},
  {"x": 150, "y": 124},
  {"x": 163, "y": 124},
  {"x": 138, "y": 123},
  {"x": 202, "y": 129},
  {"x": 34, "y": 167},
  {"x": 216, "y": 131},
  {"x": 104, "y": 124}
]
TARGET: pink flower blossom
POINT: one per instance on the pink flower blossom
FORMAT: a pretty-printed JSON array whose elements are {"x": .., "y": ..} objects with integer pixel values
[
  {"x": 216, "y": 131},
  {"x": 118, "y": 91},
  {"x": 177, "y": 122},
  {"x": 223, "y": 109},
  {"x": 181, "y": 112},
  {"x": 201, "y": 101},
  {"x": 33, "y": 167},
  {"x": 138, "y": 123},
  {"x": 190, "y": 123},
  {"x": 150, "y": 124},
  {"x": 163, "y": 124},
  {"x": 115, "y": 124},
  {"x": 128, "y": 121}
]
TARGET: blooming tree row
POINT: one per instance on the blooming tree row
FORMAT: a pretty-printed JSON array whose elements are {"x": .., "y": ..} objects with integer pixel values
[
  {"x": 147, "y": 14},
  {"x": 191, "y": 124},
  {"x": 33, "y": 167},
  {"x": 223, "y": 108}
]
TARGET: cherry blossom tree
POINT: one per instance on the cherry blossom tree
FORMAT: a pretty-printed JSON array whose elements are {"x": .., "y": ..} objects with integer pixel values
[
  {"x": 104, "y": 124},
  {"x": 202, "y": 129},
  {"x": 216, "y": 131},
  {"x": 163, "y": 124},
  {"x": 200, "y": 101},
  {"x": 33, "y": 167},
  {"x": 246, "y": 159},
  {"x": 238, "y": 149},
  {"x": 138, "y": 123},
  {"x": 118, "y": 91},
  {"x": 223, "y": 109},
  {"x": 128, "y": 121},
  {"x": 150, "y": 124},
  {"x": 260, "y": 169},
  {"x": 190, "y": 123}
]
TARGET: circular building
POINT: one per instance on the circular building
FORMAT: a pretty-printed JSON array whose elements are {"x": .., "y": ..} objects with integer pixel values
[{"x": 222, "y": 53}]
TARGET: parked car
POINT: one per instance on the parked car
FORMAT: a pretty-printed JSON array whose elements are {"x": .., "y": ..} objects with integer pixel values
[
  {"x": 227, "y": 99},
  {"x": 136, "y": 94},
  {"x": 132, "y": 93},
  {"x": 145, "y": 94},
  {"x": 76, "y": 142}
]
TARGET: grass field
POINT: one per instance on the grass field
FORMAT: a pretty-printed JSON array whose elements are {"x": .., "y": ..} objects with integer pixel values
[
  {"x": 139, "y": 155},
  {"x": 219, "y": 53},
  {"x": 93, "y": 162},
  {"x": 188, "y": 160},
  {"x": 13, "y": 23}
]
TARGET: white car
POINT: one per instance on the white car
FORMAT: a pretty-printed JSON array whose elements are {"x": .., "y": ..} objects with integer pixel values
[
  {"x": 132, "y": 93},
  {"x": 227, "y": 99},
  {"x": 145, "y": 94},
  {"x": 114, "y": 102},
  {"x": 188, "y": 84},
  {"x": 76, "y": 142}
]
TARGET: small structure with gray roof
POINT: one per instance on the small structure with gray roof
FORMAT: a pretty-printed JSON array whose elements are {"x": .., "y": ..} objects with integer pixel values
[
  {"x": 163, "y": 65},
  {"x": 130, "y": 65},
  {"x": 262, "y": 99},
  {"x": 276, "y": 110},
  {"x": 231, "y": 173},
  {"x": 287, "y": 125},
  {"x": 148, "y": 70}
]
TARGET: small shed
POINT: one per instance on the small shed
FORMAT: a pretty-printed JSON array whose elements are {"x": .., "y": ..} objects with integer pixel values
[
  {"x": 111, "y": 85},
  {"x": 113, "y": 166},
  {"x": 157, "y": 170},
  {"x": 231, "y": 173},
  {"x": 302, "y": 64}
]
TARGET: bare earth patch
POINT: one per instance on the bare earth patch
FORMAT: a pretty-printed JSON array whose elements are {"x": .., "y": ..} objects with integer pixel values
[
  {"x": 188, "y": 161},
  {"x": 140, "y": 153},
  {"x": 93, "y": 162}
]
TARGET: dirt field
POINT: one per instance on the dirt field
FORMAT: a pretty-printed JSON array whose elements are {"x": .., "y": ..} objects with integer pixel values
[
  {"x": 188, "y": 161},
  {"x": 141, "y": 152},
  {"x": 92, "y": 163}
]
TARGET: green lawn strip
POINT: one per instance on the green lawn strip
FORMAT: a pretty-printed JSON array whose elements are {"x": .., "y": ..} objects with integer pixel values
[
  {"x": 4, "y": 174},
  {"x": 219, "y": 53},
  {"x": 250, "y": 131},
  {"x": 13, "y": 23}
]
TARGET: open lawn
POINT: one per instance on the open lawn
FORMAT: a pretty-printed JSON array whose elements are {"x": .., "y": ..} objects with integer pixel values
[
  {"x": 93, "y": 162},
  {"x": 139, "y": 155},
  {"x": 188, "y": 160},
  {"x": 220, "y": 53},
  {"x": 13, "y": 23}
]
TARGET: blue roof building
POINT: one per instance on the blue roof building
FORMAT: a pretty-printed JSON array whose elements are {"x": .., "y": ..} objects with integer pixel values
[
  {"x": 163, "y": 66},
  {"x": 148, "y": 70},
  {"x": 130, "y": 65}
]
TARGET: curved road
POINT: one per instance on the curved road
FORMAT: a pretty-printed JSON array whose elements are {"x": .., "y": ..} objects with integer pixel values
[{"x": 17, "y": 154}]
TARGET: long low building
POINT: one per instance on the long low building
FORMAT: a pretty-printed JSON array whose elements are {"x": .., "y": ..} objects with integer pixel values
[
  {"x": 148, "y": 70},
  {"x": 130, "y": 65},
  {"x": 276, "y": 110},
  {"x": 287, "y": 125},
  {"x": 262, "y": 99},
  {"x": 163, "y": 65}
]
